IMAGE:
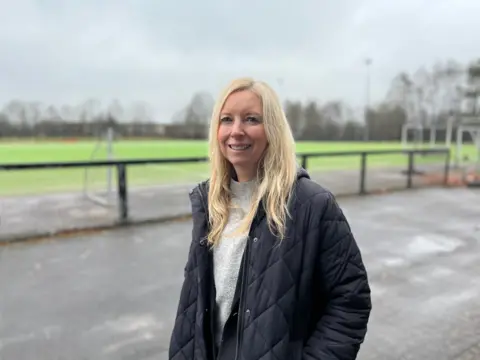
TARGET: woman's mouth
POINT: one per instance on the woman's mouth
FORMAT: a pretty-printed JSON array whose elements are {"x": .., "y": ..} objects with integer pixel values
[{"x": 239, "y": 147}]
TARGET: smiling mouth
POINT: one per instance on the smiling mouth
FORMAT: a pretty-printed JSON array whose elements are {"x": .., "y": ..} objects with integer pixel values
[{"x": 239, "y": 147}]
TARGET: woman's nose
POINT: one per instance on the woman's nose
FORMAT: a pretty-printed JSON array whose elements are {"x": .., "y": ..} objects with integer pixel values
[{"x": 237, "y": 128}]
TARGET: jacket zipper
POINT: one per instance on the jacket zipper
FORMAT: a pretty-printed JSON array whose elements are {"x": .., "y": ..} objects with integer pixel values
[
  {"x": 241, "y": 307},
  {"x": 243, "y": 291}
]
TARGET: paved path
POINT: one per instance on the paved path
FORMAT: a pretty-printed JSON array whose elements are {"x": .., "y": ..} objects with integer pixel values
[
  {"x": 41, "y": 215},
  {"x": 114, "y": 295}
]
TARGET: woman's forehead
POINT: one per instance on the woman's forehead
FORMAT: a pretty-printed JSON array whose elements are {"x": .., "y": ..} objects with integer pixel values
[{"x": 242, "y": 101}]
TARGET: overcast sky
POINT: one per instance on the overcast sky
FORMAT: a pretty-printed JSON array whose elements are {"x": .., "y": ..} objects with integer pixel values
[{"x": 161, "y": 52}]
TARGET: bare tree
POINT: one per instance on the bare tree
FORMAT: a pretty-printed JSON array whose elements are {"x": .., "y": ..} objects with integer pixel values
[
  {"x": 15, "y": 112},
  {"x": 427, "y": 94},
  {"x": 294, "y": 113},
  {"x": 142, "y": 112},
  {"x": 193, "y": 120},
  {"x": 116, "y": 110},
  {"x": 313, "y": 122}
]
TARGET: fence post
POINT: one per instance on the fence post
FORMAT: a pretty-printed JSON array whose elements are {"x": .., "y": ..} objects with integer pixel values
[
  {"x": 304, "y": 162},
  {"x": 447, "y": 167},
  {"x": 410, "y": 169},
  {"x": 122, "y": 192},
  {"x": 363, "y": 170}
]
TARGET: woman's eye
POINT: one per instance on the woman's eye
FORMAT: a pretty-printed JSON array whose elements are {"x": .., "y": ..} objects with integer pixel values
[
  {"x": 252, "y": 119},
  {"x": 225, "y": 119}
]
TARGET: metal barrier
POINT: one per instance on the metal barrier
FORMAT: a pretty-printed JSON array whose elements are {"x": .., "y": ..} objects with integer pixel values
[
  {"x": 410, "y": 171},
  {"x": 121, "y": 167}
]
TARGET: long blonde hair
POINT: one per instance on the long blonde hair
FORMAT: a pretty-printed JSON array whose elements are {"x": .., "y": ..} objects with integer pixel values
[{"x": 277, "y": 169}]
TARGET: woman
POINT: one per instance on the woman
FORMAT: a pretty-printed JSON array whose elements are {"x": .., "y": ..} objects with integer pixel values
[{"x": 273, "y": 270}]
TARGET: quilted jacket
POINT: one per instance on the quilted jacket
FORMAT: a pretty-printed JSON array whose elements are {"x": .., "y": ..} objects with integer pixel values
[{"x": 304, "y": 298}]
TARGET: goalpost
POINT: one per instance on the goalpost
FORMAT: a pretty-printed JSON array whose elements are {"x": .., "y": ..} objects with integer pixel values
[
  {"x": 419, "y": 132},
  {"x": 471, "y": 167},
  {"x": 470, "y": 124},
  {"x": 104, "y": 197},
  {"x": 472, "y": 128}
]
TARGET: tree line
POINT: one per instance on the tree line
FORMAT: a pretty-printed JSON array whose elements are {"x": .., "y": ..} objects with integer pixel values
[{"x": 426, "y": 97}]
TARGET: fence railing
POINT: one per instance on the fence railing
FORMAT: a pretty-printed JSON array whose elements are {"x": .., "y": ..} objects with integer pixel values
[
  {"x": 410, "y": 171},
  {"x": 121, "y": 168}
]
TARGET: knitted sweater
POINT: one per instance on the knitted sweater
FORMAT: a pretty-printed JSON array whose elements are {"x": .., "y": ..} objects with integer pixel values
[{"x": 227, "y": 255}]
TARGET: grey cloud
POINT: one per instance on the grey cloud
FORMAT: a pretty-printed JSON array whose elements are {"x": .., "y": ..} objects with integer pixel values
[{"x": 163, "y": 51}]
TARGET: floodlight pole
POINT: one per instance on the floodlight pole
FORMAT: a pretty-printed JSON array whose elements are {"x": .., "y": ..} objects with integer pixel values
[{"x": 368, "y": 62}]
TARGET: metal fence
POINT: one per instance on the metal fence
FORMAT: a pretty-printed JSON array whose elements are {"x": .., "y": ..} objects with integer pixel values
[
  {"x": 363, "y": 155},
  {"x": 123, "y": 213}
]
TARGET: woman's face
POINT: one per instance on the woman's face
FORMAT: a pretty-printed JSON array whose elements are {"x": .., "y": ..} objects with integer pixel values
[{"x": 241, "y": 133}]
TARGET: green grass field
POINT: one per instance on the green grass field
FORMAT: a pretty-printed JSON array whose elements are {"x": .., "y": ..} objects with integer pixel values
[{"x": 61, "y": 180}]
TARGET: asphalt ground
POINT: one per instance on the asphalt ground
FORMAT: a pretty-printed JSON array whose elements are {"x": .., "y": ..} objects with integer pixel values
[{"x": 113, "y": 295}]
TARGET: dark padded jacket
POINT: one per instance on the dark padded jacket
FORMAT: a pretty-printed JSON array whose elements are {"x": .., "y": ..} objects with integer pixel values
[{"x": 304, "y": 298}]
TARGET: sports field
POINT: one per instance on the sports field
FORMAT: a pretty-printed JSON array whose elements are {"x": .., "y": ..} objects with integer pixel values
[{"x": 61, "y": 180}]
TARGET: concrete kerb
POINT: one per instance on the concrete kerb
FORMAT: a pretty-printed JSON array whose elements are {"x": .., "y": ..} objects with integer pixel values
[{"x": 85, "y": 230}]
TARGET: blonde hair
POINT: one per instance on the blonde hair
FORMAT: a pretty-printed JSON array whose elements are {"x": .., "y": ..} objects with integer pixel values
[{"x": 277, "y": 169}]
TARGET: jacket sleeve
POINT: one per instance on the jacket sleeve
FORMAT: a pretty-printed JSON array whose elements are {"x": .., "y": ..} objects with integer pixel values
[
  {"x": 181, "y": 344},
  {"x": 343, "y": 324}
]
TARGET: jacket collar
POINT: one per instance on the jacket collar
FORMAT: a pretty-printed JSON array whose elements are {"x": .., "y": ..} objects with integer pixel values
[{"x": 199, "y": 195}]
